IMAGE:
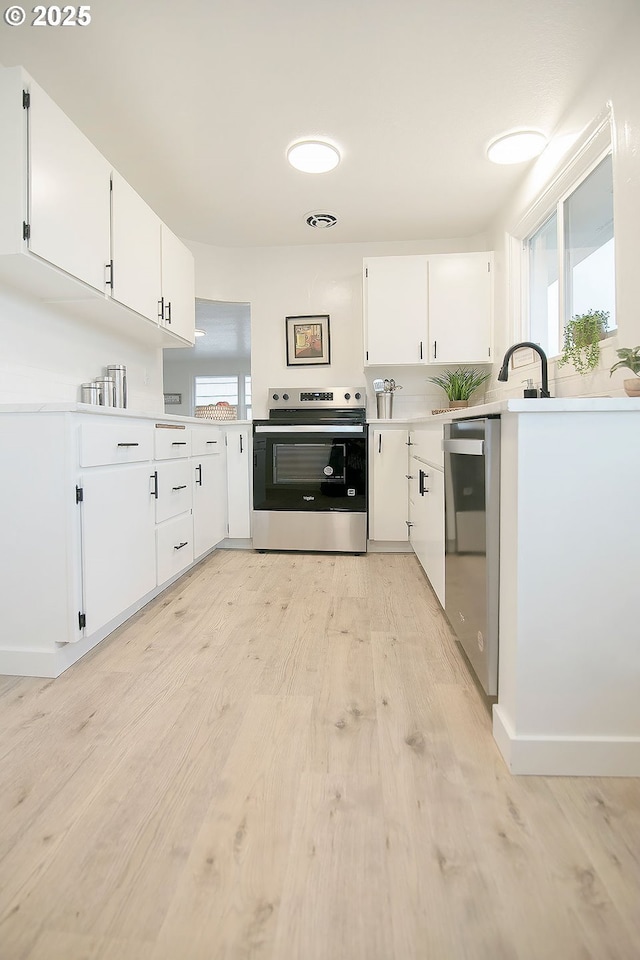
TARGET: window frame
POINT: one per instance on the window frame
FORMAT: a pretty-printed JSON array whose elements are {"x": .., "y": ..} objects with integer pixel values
[
  {"x": 241, "y": 381},
  {"x": 588, "y": 151}
]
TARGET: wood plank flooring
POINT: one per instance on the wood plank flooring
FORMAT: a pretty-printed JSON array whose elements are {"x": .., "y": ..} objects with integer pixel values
[{"x": 283, "y": 757}]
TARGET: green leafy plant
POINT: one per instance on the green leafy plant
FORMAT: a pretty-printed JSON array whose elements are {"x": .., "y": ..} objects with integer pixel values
[
  {"x": 460, "y": 384},
  {"x": 582, "y": 336},
  {"x": 629, "y": 358}
]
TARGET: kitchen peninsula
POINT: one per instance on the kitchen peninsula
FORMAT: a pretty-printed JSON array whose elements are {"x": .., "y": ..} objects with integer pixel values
[{"x": 569, "y": 660}]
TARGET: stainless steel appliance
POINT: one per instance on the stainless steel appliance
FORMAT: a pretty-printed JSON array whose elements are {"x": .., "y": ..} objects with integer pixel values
[
  {"x": 472, "y": 541},
  {"x": 310, "y": 471}
]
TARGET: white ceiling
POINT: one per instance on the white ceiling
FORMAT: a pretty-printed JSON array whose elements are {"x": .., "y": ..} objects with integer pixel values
[{"x": 195, "y": 103}]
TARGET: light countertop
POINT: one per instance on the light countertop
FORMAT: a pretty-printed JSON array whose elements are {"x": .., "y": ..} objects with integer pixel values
[
  {"x": 520, "y": 406},
  {"x": 95, "y": 409}
]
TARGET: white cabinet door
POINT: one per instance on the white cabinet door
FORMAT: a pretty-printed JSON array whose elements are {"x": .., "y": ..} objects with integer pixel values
[
  {"x": 388, "y": 485},
  {"x": 69, "y": 194},
  {"x": 460, "y": 308},
  {"x": 135, "y": 251},
  {"x": 426, "y": 516},
  {"x": 118, "y": 541},
  {"x": 238, "y": 482},
  {"x": 178, "y": 286},
  {"x": 209, "y": 503},
  {"x": 395, "y": 310}
]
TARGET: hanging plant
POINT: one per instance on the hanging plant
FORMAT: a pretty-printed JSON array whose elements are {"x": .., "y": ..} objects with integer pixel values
[{"x": 582, "y": 336}]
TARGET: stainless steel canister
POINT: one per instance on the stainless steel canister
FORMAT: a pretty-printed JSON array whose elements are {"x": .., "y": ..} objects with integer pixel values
[
  {"x": 89, "y": 393},
  {"x": 384, "y": 405},
  {"x": 119, "y": 373},
  {"x": 107, "y": 389}
]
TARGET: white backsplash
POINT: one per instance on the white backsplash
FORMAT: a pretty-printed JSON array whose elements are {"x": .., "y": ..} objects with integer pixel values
[{"x": 45, "y": 356}]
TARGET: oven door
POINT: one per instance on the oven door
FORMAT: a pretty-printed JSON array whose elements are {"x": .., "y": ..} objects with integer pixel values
[{"x": 310, "y": 467}]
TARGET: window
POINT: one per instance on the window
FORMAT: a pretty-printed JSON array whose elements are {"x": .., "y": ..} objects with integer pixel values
[
  {"x": 234, "y": 390},
  {"x": 571, "y": 264}
]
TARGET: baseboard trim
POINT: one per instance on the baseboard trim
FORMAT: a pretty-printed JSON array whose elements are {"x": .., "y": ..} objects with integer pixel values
[
  {"x": 565, "y": 756},
  {"x": 388, "y": 546}
]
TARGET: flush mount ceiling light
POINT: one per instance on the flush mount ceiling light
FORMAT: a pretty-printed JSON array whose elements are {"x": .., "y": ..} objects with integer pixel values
[
  {"x": 321, "y": 220},
  {"x": 313, "y": 156},
  {"x": 200, "y": 333},
  {"x": 516, "y": 147}
]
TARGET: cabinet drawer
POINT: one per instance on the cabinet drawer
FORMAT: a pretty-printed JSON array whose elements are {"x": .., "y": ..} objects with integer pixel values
[
  {"x": 174, "y": 542},
  {"x": 174, "y": 489},
  {"x": 104, "y": 443},
  {"x": 427, "y": 443},
  {"x": 206, "y": 440},
  {"x": 172, "y": 443}
]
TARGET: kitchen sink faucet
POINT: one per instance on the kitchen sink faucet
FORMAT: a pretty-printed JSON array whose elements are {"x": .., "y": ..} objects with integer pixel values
[{"x": 504, "y": 369}]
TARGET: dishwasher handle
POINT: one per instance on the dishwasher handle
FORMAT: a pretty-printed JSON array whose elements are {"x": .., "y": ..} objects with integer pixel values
[{"x": 473, "y": 448}]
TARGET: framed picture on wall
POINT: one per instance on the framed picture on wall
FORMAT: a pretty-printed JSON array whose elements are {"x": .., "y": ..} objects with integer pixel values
[{"x": 308, "y": 340}]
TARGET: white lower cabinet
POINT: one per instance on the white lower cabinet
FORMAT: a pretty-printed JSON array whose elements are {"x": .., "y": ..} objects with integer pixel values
[
  {"x": 174, "y": 541},
  {"x": 388, "y": 484},
  {"x": 239, "y": 461},
  {"x": 426, "y": 519},
  {"x": 97, "y": 526},
  {"x": 118, "y": 541},
  {"x": 209, "y": 500}
]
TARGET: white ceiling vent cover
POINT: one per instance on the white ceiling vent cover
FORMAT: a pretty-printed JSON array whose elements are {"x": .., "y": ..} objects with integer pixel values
[{"x": 321, "y": 220}]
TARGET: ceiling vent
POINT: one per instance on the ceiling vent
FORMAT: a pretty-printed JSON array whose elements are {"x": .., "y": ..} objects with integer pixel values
[{"x": 322, "y": 220}]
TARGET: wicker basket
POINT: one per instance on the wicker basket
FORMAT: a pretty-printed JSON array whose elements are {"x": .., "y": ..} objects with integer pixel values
[{"x": 217, "y": 411}]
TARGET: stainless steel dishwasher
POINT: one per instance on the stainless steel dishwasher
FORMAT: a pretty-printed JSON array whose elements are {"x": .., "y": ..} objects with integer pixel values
[{"x": 472, "y": 541}]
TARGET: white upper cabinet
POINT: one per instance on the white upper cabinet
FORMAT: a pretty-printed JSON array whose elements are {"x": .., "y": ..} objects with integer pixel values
[
  {"x": 69, "y": 203},
  {"x": 395, "y": 310},
  {"x": 67, "y": 234},
  {"x": 460, "y": 308},
  {"x": 135, "y": 251},
  {"x": 422, "y": 310},
  {"x": 178, "y": 303}
]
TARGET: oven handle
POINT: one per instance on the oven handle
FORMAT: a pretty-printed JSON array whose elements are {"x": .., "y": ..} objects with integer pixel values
[{"x": 311, "y": 428}]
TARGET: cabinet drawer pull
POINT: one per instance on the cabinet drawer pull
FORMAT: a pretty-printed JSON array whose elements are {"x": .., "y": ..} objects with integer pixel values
[
  {"x": 408, "y": 523},
  {"x": 128, "y": 444},
  {"x": 181, "y": 545},
  {"x": 241, "y": 449},
  {"x": 182, "y": 486},
  {"x": 379, "y": 443},
  {"x": 179, "y": 443},
  {"x": 199, "y": 475},
  {"x": 409, "y": 476},
  {"x": 421, "y": 349},
  {"x": 212, "y": 441},
  {"x": 167, "y": 312},
  {"x": 435, "y": 349},
  {"x": 154, "y": 477},
  {"x": 161, "y": 308}
]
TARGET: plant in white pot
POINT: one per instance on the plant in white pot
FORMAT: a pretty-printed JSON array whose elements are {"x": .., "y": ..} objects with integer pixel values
[
  {"x": 460, "y": 384},
  {"x": 629, "y": 358}
]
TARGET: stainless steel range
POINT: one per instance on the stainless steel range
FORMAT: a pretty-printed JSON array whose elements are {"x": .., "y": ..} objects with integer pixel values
[{"x": 310, "y": 471}]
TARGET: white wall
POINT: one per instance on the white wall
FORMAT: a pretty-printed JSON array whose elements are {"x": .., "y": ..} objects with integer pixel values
[
  {"x": 45, "y": 356},
  {"x": 615, "y": 80},
  {"x": 290, "y": 281}
]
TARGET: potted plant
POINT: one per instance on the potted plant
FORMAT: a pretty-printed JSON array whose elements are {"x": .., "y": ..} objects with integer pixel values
[
  {"x": 629, "y": 359},
  {"x": 582, "y": 336},
  {"x": 460, "y": 384}
]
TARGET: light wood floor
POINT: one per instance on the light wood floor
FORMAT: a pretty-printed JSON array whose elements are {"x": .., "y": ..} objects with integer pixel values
[{"x": 283, "y": 757}]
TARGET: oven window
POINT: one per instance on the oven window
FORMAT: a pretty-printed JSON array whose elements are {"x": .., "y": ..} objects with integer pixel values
[{"x": 308, "y": 462}]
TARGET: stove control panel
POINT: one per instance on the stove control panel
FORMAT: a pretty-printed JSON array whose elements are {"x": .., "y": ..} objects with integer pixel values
[{"x": 323, "y": 398}]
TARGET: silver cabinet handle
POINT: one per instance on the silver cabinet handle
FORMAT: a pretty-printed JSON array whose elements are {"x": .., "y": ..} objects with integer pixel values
[{"x": 474, "y": 448}]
